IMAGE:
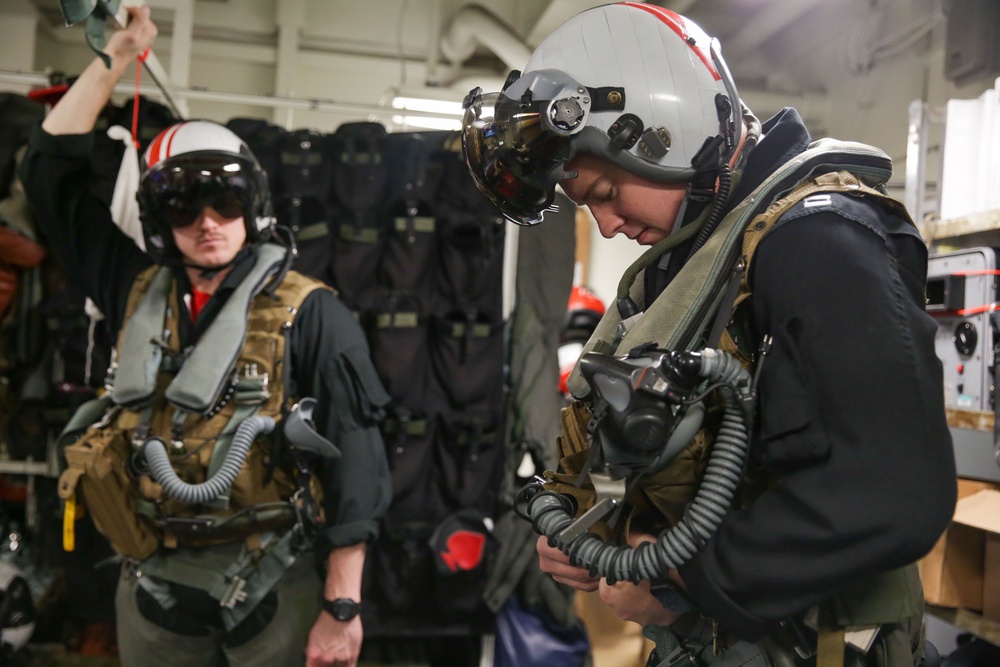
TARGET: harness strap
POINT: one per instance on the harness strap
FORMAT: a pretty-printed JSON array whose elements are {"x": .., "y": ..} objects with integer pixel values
[
  {"x": 222, "y": 444},
  {"x": 238, "y": 588},
  {"x": 139, "y": 358}
]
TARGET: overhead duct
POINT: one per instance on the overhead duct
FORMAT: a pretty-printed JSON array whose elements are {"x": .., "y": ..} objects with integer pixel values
[{"x": 474, "y": 25}]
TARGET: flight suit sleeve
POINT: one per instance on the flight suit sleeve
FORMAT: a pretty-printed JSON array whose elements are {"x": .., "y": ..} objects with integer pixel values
[
  {"x": 56, "y": 173},
  {"x": 331, "y": 363},
  {"x": 851, "y": 424}
]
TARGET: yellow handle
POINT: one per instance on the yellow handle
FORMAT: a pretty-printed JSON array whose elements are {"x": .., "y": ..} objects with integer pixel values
[{"x": 69, "y": 523}]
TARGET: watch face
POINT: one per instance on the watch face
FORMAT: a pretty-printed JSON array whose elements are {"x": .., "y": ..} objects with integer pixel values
[{"x": 342, "y": 609}]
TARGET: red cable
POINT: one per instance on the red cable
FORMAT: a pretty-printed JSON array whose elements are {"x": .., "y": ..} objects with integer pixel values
[{"x": 141, "y": 58}]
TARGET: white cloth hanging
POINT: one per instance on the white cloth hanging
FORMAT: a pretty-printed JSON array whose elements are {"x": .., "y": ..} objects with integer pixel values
[{"x": 124, "y": 207}]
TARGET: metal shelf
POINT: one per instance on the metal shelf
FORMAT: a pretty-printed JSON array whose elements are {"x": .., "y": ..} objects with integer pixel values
[
  {"x": 976, "y": 229},
  {"x": 28, "y": 468}
]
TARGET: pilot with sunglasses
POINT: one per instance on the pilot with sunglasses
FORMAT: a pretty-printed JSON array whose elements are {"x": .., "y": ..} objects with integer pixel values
[{"x": 231, "y": 577}]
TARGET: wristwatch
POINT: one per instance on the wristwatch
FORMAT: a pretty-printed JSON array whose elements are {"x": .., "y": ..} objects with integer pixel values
[{"x": 342, "y": 609}]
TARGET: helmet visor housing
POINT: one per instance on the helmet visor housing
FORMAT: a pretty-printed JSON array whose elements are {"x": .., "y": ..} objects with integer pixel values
[{"x": 514, "y": 160}]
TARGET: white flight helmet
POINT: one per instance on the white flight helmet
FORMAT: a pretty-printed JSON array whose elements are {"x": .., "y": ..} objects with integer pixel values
[
  {"x": 194, "y": 164},
  {"x": 634, "y": 83}
]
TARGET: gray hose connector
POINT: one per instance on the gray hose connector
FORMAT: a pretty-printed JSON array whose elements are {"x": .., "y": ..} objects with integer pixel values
[
  {"x": 701, "y": 519},
  {"x": 155, "y": 452}
]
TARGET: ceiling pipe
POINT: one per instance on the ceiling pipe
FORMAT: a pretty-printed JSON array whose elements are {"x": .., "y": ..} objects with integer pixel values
[{"x": 473, "y": 25}]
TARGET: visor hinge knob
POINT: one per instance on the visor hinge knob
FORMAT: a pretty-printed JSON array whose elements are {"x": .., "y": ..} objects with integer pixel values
[{"x": 566, "y": 114}]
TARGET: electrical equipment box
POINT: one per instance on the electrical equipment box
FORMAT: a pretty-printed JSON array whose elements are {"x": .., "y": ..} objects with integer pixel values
[{"x": 962, "y": 297}]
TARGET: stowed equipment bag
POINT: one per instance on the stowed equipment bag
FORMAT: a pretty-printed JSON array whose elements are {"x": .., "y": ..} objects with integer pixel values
[{"x": 96, "y": 467}]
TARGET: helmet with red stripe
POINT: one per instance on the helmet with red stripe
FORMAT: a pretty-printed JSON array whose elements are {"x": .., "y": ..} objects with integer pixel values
[
  {"x": 192, "y": 165},
  {"x": 630, "y": 82}
]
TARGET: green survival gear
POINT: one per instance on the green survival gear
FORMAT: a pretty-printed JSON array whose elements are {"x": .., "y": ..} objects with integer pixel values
[
  {"x": 195, "y": 399},
  {"x": 696, "y": 309}
]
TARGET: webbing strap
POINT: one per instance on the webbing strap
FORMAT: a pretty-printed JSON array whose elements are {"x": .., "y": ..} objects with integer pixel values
[
  {"x": 238, "y": 588},
  {"x": 221, "y": 449},
  {"x": 830, "y": 648},
  {"x": 311, "y": 232},
  {"x": 139, "y": 358}
]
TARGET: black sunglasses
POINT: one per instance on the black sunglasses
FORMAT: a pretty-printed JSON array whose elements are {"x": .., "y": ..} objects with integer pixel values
[{"x": 179, "y": 214}]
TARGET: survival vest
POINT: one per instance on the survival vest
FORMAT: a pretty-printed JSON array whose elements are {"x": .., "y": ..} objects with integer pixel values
[
  {"x": 682, "y": 318},
  {"x": 193, "y": 399}
]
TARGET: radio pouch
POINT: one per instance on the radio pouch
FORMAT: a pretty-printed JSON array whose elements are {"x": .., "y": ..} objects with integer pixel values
[{"x": 96, "y": 469}]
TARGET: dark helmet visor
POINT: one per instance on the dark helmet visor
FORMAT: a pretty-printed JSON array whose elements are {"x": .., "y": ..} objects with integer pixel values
[
  {"x": 514, "y": 161},
  {"x": 179, "y": 189}
]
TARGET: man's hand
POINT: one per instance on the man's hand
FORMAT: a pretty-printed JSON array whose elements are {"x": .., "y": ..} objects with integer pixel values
[
  {"x": 629, "y": 601},
  {"x": 635, "y": 602},
  {"x": 334, "y": 643},
  {"x": 77, "y": 111},
  {"x": 556, "y": 563},
  {"x": 133, "y": 40}
]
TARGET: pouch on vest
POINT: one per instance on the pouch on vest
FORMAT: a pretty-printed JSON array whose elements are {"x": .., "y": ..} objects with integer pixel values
[
  {"x": 360, "y": 178},
  {"x": 466, "y": 351},
  {"x": 398, "y": 340},
  {"x": 96, "y": 469},
  {"x": 408, "y": 260}
]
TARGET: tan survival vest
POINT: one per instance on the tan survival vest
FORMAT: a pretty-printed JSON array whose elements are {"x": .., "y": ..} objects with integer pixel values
[{"x": 128, "y": 507}]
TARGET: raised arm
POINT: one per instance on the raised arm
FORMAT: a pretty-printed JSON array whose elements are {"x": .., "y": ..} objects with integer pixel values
[{"x": 79, "y": 108}]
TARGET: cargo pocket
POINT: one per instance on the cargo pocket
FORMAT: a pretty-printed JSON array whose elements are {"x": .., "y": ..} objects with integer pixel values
[
  {"x": 468, "y": 460},
  {"x": 408, "y": 259},
  {"x": 409, "y": 437},
  {"x": 365, "y": 395},
  {"x": 398, "y": 338},
  {"x": 399, "y": 572},
  {"x": 466, "y": 350},
  {"x": 791, "y": 430},
  {"x": 306, "y": 220},
  {"x": 357, "y": 249},
  {"x": 470, "y": 260}
]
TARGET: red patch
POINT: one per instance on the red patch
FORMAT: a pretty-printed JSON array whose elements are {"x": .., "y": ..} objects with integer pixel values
[{"x": 464, "y": 550}]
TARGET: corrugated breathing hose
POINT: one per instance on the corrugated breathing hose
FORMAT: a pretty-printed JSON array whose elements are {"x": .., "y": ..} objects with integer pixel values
[
  {"x": 155, "y": 453},
  {"x": 551, "y": 513}
]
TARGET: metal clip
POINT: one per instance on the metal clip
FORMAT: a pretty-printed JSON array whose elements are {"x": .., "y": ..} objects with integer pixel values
[
  {"x": 234, "y": 593},
  {"x": 603, "y": 507}
]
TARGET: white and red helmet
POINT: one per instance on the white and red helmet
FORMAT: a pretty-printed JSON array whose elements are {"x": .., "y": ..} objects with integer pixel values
[
  {"x": 634, "y": 83},
  {"x": 194, "y": 164}
]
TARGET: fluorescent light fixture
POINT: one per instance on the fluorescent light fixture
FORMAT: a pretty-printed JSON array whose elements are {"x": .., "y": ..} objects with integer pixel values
[{"x": 450, "y": 118}]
